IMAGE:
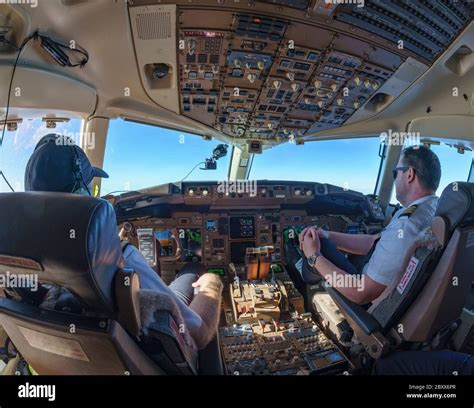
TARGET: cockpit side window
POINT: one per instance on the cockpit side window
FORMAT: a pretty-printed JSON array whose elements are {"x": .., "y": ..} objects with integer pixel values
[
  {"x": 454, "y": 166},
  {"x": 18, "y": 146}
]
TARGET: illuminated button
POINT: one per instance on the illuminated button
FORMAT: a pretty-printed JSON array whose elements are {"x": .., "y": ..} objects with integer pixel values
[
  {"x": 191, "y": 192},
  {"x": 334, "y": 87},
  {"x": 251, "y": 78},
  {"x": 298, "y": 192},
  {"x": 201, "y": 69},
  {"x": 308, "y": 193},
  {"x": 356, "y": 105},
  {"x": 215, "y": 69},
  {"x": 318, "y": 84},
  {"x": 295, "y": 86},
  {"x": 205, "y": 192},
  {"x": 340, "y": 101},
  {"x": 276, "y": 84},
  {"x": 263, "y": 191},
  {"x": 187, "y": 68},
  {"x": 375, "y": 85},
  {"x": 307, "y": 101},
  {"x": 237, "y": 63},
  {"x": 290, "y": 76},
  {"x": 357, "y": 80},
  {"x": 367, "y": 84},
  {"x": 260, "y": 65},
  {"x": 320, "y": 104}
]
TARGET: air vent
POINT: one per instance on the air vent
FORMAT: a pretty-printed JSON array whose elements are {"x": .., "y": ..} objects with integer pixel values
[{"x": 154, "y": 26}]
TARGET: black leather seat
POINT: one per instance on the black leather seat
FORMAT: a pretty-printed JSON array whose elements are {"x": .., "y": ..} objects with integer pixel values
[
  {"x": 429, "y": 303},
  {"x": 70, "y": 242}
]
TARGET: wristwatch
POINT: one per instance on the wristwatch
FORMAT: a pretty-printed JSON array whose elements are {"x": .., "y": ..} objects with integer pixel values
[{"x": 313, "y": 258}]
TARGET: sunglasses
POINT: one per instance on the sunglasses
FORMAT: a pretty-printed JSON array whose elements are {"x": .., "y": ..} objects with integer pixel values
[{"x": 397, "y": 169}]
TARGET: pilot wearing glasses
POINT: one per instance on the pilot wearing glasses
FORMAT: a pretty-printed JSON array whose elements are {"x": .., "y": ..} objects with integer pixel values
[{"x": 417, "y": 177}]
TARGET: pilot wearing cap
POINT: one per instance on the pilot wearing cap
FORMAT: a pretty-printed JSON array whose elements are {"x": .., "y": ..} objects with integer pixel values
[
  {"x": 58, "y": 165},
  {"x": 417, "y": 178}
]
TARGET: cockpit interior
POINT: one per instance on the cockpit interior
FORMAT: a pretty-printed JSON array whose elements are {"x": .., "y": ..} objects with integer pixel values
[{"x": 252, "y": 76}]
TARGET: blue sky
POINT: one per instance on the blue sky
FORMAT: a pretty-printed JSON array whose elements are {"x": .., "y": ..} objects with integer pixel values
[{"x": 139, "y": 156}]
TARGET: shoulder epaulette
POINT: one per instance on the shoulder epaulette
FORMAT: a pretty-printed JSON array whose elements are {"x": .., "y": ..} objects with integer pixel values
[{"x": 408, "y": 211}]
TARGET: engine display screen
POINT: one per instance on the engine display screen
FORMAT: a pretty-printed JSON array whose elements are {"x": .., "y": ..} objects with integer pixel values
[
  {"x": 242, "y": 227},
  {"x": 238, "y": 251},
  {"x": 190, "y": 241}
]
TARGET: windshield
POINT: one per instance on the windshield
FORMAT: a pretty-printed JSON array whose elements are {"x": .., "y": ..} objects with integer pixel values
[
  {"x": 18, "y": 146},
  {"x": 139, "y": 156},
  {"x": 350, "y": 163}
]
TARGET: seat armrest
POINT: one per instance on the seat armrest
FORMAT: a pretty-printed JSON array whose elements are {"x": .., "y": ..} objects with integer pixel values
[{"x": 355, "y": 312}]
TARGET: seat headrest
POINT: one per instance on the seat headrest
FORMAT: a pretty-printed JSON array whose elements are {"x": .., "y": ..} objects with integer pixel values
[
  {"x": 67, "y": 239},
  {"x": 456, "y": 204}
]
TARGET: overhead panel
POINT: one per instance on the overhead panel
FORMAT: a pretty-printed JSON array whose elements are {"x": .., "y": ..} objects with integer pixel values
[{"x": 290, "y": 69}]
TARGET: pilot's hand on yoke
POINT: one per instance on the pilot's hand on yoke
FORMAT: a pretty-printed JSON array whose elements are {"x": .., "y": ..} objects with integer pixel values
[
  {"x": 209, "y": 282},
  {"x": 310, "y": 243}
]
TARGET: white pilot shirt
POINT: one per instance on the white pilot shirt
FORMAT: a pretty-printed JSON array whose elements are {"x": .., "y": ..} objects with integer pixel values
[
  {"x": 395, "y": 240},
  {"x": 149, "y": 279}
]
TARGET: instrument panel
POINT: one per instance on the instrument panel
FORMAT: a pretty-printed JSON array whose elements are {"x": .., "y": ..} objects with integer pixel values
[{"x": 216, "y": 230}]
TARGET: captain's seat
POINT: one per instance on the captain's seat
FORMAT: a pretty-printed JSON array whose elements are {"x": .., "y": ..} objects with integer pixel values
[
  {"x": 421, "y": 307},
  {"x": 103, "y": 323}
]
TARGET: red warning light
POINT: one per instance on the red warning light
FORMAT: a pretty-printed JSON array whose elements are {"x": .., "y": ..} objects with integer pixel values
[{"x": 257, "y": 20}]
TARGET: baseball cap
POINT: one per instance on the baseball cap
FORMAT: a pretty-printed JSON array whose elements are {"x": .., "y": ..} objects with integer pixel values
[{"x": 58, "y": 164}]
